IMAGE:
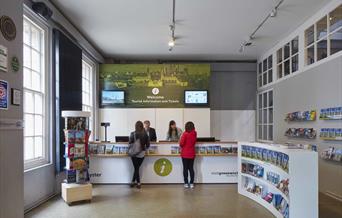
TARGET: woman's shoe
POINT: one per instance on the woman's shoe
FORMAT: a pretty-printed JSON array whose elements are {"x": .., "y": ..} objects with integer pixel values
[
  {"x": 192, "y": 186},
  {"x": 138, "y": 186},
  {"x": 132, "y": 184},
  {"x": 186, "y": 185}
]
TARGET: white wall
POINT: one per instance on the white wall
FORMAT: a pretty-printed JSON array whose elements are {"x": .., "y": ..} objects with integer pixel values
[{"x": 122, "y": 120}]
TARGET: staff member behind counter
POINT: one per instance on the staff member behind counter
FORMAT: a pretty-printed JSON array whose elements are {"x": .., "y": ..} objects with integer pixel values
[
  {"x": 174, "y": 133},
  {"x": 151, "y": 132}
]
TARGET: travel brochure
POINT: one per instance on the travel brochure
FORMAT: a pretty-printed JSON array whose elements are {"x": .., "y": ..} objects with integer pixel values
[
  {"x": 262, "y": 191},
  {"x": 107, "y": 149},
  {"x": 310, "y": 147},
  {"x": 274, "y": 157},
  {"x": 76, "y": 149},
  {"x": 332, "y": 153},
  {"x": 331, "y": 134},
  {"x": 301, "y": 116},
  {"x": 307, "y": 133},
  {"x": 334, "y": 113},
  {"x": 272, "y": 177}
]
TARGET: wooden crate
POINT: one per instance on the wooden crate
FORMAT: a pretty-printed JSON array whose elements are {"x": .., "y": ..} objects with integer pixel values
[{"x": 76, "y": 192}]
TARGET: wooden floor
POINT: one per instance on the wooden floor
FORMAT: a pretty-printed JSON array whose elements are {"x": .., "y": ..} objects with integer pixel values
[{"x": 166, "y": 201}]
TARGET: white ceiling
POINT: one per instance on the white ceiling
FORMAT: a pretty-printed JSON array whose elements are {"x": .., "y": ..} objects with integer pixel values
[{"x": 209, "y": 29}]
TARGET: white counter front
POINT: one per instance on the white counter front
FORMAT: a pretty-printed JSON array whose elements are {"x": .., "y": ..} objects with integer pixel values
[{"x": 214, "y": 163}]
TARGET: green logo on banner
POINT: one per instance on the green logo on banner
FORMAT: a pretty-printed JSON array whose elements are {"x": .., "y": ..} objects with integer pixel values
[{"x": 162, "y": 167}]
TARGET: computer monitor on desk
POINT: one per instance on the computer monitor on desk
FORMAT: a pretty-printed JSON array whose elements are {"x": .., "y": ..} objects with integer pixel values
[
  {"x": 121, "y": 139},
  {"x": 206, "y": 139}
]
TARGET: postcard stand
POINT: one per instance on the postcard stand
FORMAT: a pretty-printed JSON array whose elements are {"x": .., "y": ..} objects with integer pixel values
[{"x": 76, "y": 186}]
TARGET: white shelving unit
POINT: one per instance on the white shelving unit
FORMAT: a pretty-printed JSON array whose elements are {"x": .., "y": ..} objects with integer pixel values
[{"x": 302, "y": 174}]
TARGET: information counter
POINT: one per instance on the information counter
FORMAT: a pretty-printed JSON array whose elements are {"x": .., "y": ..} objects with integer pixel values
[{"x": 215, "y": 162}]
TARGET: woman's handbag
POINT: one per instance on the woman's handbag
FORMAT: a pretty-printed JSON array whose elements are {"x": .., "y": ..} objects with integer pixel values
[{"x": 134, "y": 148}]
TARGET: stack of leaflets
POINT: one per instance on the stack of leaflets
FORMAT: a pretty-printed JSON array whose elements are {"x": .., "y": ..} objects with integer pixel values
[
  {"x": 331, "y": 113},
  {"x": 301, "y": 116},
  {"x": 332, "y": 153},
  {"x": 175, "y": 150},
  {"x": 153, "y": 149},
  {"x": 308, "y": 133}
]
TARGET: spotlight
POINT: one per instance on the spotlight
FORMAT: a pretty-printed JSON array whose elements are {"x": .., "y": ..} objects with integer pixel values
[{"x": 171, "y": 43}]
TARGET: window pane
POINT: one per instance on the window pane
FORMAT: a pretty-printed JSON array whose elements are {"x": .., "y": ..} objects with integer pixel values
[
  {"x": 38, "y": 104},
  {"x": 309, "y": 35},
  {"x": 310, "y": 55},
  {"x": 28, "y": 102},
  {"x": 264, "y": 116},
  {"x": 286, "y": 67},
  {"x": 295, "y": 63},
  {"x": 322, "y": 49},
  {"x": 294, "y": 46},
  {"x": 265, "y": 99},
  {"x": 35, "y": 61},
  {"x": 260, "y": 67},
  {"x": 260, "y": 132},
  {"x": 270, "y": 133},
  {"x": 335, "y": 18},
  {"x": 36, "y": 85},
  {"x": 38, "y": 125},
  {"x": 29, "y": 125},
  {"x": 280, "y": 55},
  {"x": 270, "y": 62},
  {"x": 270, "y": 76},
  {"x": 264, "y": 78},
  {"x": 270, "y": 98},
  {"x": 264, "y": 133},
  {"x": 38, "y": 147},
  {"x": 336, "y": 42},
  {"x": 27, "y": 35},
  {"x": 27, "y": 78},
  {"x": 287, "y": 51},
  {"x": 270, "y": 115},
  {"x": 280, "y": 71},
  {"x": 260, "y": 80},
  {"x": 27, "y": 57},
  {"x": 260, "y": 117},
  {"x": 35, "y": 38},
  {"x": 264, "y": 65},
  {"x": 28, "y": 148},
  {"x": 321, "y": 26},
  {"x": 260, "y": 101}
]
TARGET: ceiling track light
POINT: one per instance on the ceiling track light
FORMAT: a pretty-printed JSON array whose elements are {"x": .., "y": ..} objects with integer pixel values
[
  {"x": 172, "y": 26},
  {"x": 272, "y": 14}
]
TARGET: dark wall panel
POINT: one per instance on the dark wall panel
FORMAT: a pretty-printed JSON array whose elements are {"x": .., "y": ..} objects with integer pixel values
[{"x": 68, "y": 73}]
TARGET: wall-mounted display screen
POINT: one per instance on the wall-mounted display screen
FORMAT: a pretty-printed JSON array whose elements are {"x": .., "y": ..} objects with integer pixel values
[
  {"x": 196, "y": 97},
  {"x": 112, "y": 97}
]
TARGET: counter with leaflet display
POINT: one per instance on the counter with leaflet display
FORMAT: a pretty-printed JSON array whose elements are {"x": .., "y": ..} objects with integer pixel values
[{"x": 215, "y": 162}]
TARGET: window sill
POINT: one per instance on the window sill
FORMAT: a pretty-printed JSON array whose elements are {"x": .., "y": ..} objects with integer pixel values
[{"x": 37, "y": 167}]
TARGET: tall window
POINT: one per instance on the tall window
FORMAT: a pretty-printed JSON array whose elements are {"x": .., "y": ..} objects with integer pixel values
[
  {"x": 265, "y": 72},
  {"x": 34, "y": 94},
  {"x": 324, "y": 38},
  {"x": 87, "y": 90},
  {"x": 265, "y": 116},
  {"x": 287, "y": 59}
]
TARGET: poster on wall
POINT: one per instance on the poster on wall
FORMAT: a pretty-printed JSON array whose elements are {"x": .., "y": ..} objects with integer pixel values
[
  {"x": 3, "y": 58},
  {"x": 3, "y": 95},
  {"x": 154, "y": 85}
]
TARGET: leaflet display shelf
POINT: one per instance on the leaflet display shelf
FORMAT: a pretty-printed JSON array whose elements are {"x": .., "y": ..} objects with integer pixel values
[
  {"x": 167, "y": 155},
  {"x": 300, "y": 116},
  {"x": 331, "y": 113},
  {"x": 302, "y": 175}
]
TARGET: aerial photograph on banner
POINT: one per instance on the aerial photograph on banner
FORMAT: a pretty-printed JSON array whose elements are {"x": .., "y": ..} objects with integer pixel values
[{"x": 153, "y": 85}]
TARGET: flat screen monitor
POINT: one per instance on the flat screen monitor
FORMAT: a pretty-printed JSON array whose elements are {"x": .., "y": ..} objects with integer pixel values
[
  {"x": 112, "y": 97},
  {"x": 121, "y": 138},
  {"x": 196, "y": 97}
]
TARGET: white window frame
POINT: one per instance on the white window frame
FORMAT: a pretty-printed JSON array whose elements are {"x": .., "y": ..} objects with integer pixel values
[
  {"x": 281, "y": 64},
  {"x": 92, "y": 93},
  {"x": 265, "y": 72},
  {"x": 46, "y": 159},
  {"x": 260, "y": 119}
]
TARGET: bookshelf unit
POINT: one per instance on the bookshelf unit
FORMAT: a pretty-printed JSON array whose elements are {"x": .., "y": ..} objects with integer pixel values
[{"x": 297, "y": 166}]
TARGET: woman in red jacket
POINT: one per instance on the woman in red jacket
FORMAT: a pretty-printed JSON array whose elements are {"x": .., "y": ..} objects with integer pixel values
[{"x": 188, "y": 153}]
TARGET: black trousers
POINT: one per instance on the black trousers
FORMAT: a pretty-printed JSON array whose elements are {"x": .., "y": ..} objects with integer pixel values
[
  {"x": 137, "y": 161},
  {"x": 188, "y": 166}
]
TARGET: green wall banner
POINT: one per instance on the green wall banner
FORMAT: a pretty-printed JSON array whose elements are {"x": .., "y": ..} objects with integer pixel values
[
  {"x": 154, "y": 85},
  {"x": 162, "y": 167}
]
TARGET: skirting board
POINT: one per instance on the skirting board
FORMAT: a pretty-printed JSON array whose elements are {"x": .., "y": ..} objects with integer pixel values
[{"x": 333, "y": 195}]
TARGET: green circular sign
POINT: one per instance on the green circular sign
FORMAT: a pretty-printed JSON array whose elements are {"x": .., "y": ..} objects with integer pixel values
[{"x": 162, "y": 167}]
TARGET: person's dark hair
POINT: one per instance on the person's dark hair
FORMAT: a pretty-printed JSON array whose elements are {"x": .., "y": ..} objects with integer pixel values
[
  {"x": 172, "y": 122},
  {"x": 139, "y": 127},
  {"x": 189, "y": 126}
]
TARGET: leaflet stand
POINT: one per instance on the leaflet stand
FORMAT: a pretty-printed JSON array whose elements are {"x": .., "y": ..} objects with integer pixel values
[{"x": 76, "y": 187}]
